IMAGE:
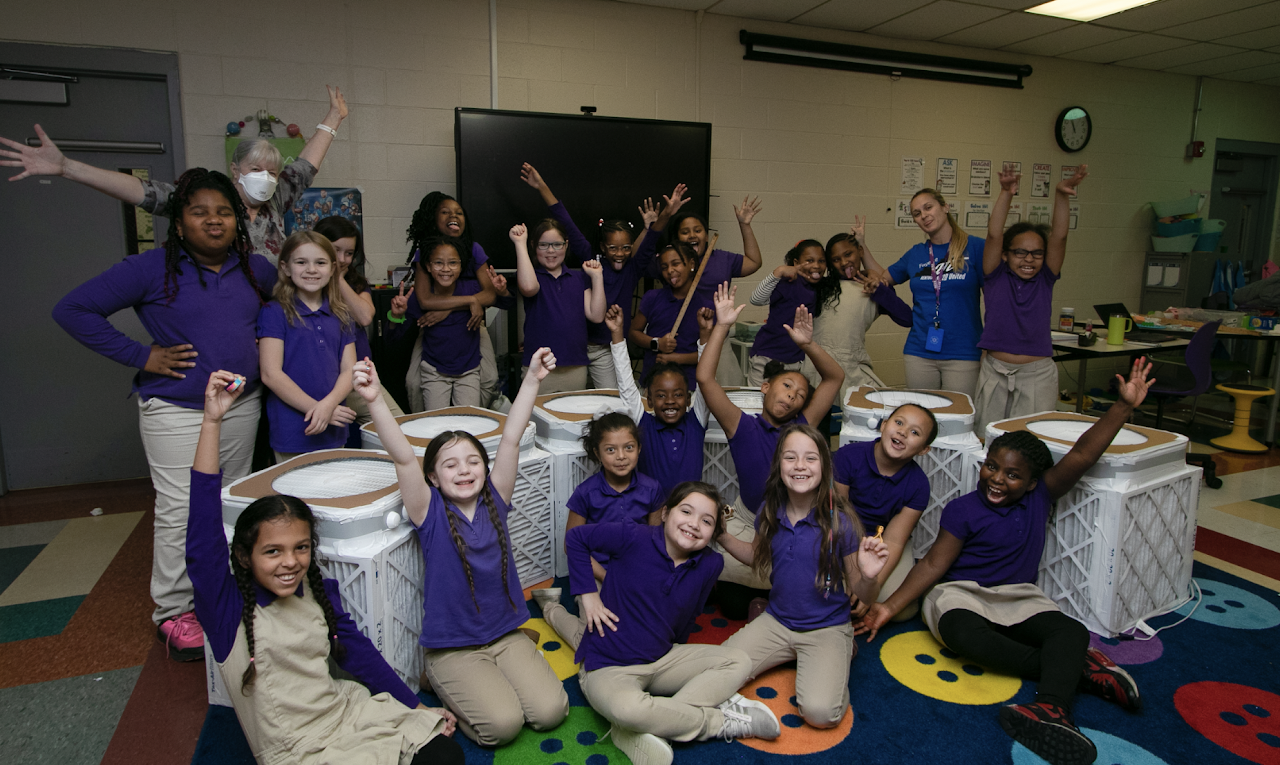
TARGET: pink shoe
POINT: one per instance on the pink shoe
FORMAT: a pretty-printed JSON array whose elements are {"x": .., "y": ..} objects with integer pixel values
[{"x": 183, "y": 637}]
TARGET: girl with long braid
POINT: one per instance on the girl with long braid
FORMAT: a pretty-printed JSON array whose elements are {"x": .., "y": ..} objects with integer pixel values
[
  {"x": 198, "y": 296},
  {"x": 273, "y": 623},
  {"x": 477, "y": 660}
]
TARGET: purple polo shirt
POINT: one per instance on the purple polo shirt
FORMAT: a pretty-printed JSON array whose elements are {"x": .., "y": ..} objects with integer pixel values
[
  {"x": 795, "y": 601},
  {"x": 218, "y": 319},
  {"x": 450, "y": 618},
  {"x": 1018, "y": 312},
  {"x": 219, "y": 604},
  {"x": 752, "y": 447},
  {"x": 620, "y": 289},
  {"x": 313, "y": 360},
  {"x": 722, "y": 267},
  {"x": 448, "y": 345},
  {"x": 1002, "y": 545},
  {"x": 877, "y": 498},
  {"x": 672, "y": 454},
  {"x": 660, "y": 307},
  {"x": 655, "y": 600},
  {"x": 556, "y": 317},
  {"x": 597, "y": 502},
  {"x": 772, "y": 341}
]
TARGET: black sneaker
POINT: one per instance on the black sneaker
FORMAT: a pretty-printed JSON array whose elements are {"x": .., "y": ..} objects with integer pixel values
[
  {"x": 1047, "y": 730},
  {"x": 1103, "y": 678}
]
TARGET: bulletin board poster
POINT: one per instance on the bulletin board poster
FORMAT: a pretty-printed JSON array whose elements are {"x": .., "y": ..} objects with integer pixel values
[
  {"x": 316, "y": 203},
  {"x": 948, "y": 176},
  {"x": 289, "y": 148},
  {"x": 977, "y": 214},
  {"x": 1038, "y": 212},
  {"x": 1040, "y": 175},
  {"x": 1069, "y": 171},
  {"x": 980, "y": 178},
  {"x": 912, "y": 175},
  {"x": 902, "y": 215},
  {"x": 1011, "y": 166},
  {"x": 1074, "y": 212},
  {"x": 1017, "y": 212}
]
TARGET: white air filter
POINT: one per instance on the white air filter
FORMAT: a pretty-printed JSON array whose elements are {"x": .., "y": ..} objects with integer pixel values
[
  {"x": 949, "y": 463},
  {"x": 484, "y": 424},
  {"x": 717, "y": 463},
  {"x": 1119, "y": 544}
]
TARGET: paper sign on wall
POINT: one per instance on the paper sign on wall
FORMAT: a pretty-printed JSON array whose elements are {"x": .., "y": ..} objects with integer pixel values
[
  {"x": 1016, "y": 167},
  {"x": 1040, "y": 175},
  {"x": 1067, "y": 172},
  {"x": 980, "y": 178},
  {"x": 948, "y": 176},
  {"x": 902, "y": 215},
  {"x": 1017, "y": 211},
  {"x": 912, "y": 174},
  {"x": 1038, "y": 212},
  {"x": 976, "y": 214},
  {"x": 1075, "y": 213}
]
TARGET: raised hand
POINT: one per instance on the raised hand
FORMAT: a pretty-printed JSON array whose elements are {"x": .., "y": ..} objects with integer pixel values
[
  {"x": 872, "y": 555},
  {"x": 519, "y": 233},
  {"x": 45, "y": 159},
  {"x": 593, "y": 269},
  {"x": 802, "y": 331},
  {"x": 1009, "y": 180},
  {"x": 859, "y": 229},
  {"x": 786, "y": 272},
  {"x": 221, "y": 392},
  {"x": 1134, "y": 390},
  {"x": 726, "y": 312},
  {"x": 613, "y": 320},
  {"x": 706, "y": 320},
  {"x": 364, "y": 379},
  {"x": 498, "y": 280},
  {"x": 648, "y": 213},
  {"x": 749, "y": 209},
  {"x": 337, "y": 104},
  {"x": 676, "y": 200},
  {"x": 529, "y": 174},
  {"x": 400, "y": 302},
  {"x": 1068, "y": 185},
  {"x": 871, "y": 281},
  {"x": 167, "y": 361},
  {"x": 542, "y": 363}
]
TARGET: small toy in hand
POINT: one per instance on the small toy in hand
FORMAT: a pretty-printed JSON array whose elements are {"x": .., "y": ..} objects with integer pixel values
[
  {"x": 236, "y": 384},
  {"x": 879, "y": 531}
]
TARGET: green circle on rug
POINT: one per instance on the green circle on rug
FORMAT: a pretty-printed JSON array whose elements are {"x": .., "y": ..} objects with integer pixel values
[{"x": 576, "y": 741}]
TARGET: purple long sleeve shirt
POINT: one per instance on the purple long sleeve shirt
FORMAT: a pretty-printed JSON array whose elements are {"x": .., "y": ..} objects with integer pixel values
[
  {"x": 218, "y": 319},
  {"x": 219, "y": 603}
]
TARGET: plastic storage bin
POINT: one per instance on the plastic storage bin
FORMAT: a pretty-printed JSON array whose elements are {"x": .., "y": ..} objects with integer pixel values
[
  {"x": 1179, "y": 228},
  {"x": 1184, "y": 243}
]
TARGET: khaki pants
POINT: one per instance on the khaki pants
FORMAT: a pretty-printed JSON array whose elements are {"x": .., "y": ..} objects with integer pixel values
[
  {"x": 495, "y": 688},
  {"x": 600, "y": 367},
  {"x": 561, "y": 379},
  {"x": 675, "y": 697},
  {"x": 895, "y": 580},
  {"x": 357, "y": 403},
  {"x": 755, "y": 370},
  {"x": 941, "y": 374},
  {"x": 822, "y": 659},
  {"x": 570, "y": 628},
  {"x": 169, "y": 436},
  {"x": 488, "y": 374},
  {"x": 440, "y": 390},
  {"x": 1013, "y": 390}
]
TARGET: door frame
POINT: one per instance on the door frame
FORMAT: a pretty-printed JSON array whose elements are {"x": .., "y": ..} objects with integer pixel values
[{"x": 1266, "y": 227}]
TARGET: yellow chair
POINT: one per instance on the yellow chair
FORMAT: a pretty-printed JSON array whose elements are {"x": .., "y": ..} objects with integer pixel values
[{"x": 1238, "y": 440}]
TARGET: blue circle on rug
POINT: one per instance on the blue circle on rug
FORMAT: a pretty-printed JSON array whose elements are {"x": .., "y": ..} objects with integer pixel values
[
  {"x": 1112, "y": 750},
  {"x": 598, "y": 759},
  {"x": 1226, "y": 606},
  {"x": 792, "y": 721},
  {"x": 587, "y": 738},
  {"x": 551, "y": 645},
  {"x": 551, "y": 745},
  {"x": 765, "y": 692}
]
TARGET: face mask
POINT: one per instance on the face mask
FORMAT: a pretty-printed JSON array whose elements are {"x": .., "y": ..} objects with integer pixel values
[{"x": 259, "y": 186}]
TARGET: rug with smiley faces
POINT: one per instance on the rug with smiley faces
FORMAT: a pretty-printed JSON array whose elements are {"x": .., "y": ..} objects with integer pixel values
[{"x": 1211, "y": 687}]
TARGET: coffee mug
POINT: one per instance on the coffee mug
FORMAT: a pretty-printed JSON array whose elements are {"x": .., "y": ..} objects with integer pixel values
[{"x": 1117, "y": 325}]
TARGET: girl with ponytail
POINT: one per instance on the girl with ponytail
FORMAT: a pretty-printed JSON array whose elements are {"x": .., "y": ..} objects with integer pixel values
[
  {"x": 477, "y": 660},
  {"x": 273, "y": 622}
]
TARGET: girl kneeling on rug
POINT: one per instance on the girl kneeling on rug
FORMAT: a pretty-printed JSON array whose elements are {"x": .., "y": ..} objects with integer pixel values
[
  {"x": 988, "y": 607},
  {"x": 810, "y": 546},
  {"x": 274, "y": 622}
]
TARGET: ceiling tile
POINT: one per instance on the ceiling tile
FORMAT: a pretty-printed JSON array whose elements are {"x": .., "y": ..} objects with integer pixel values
[
  {"x": 1258, "y": 38},
  {"x": 1129, "y": 47},
  {"x": 1227, "y": 24},
  {"x": 679, "y": 5},
  {"x": 1233, "y": 63},
  {"x": 1169, "y": 13},
  {"x": 857, "y": 15},
  {"x": 1189, "y": 54},
  {"x": 1069, "y": 39},
  {"x": 768, "y": 10},
  {"x": 1273, "y": 81},
  {"x": 1013, "y": 5},
  {"x": 935, "y": 20},
  {"x": 1254, "y": 74},
  {"x": 1006, "y": 30}
]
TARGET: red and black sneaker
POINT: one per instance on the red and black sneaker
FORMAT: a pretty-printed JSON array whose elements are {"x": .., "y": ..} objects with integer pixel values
[
  {"x": 1103, "y": 678},
  {"x": 1047, "y": 730}
]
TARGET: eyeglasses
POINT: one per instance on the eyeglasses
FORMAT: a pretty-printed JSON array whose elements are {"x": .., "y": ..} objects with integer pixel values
[
  {"x": 615, "y": 249},
  {"x": 1027, "y": 254},
  {"x": 551, "y": 246},
  {"x": 448, "y": 265}
]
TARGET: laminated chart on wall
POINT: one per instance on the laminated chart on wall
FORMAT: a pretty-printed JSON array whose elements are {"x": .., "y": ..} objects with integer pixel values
[
  {"x": 902, "y": 214},
  {"x": 1038, "y": 212},
  {"x": 976, "y": 214},
  {"x": 1040, "y": 175},
  {"x": 1016, "y": 167},
  {"x": 1074, "y": 214},
  {"x": 1017, "y": 213},
  {"x": 948, "y": 176},
  {"x": 1069, "y": 171},
  {"x": 980, "y": 178},
  {"x": 912, "y": 175}
]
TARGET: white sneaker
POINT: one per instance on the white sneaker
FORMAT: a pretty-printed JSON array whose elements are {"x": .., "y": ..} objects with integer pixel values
[
  {"x": 745, "y": 718},
  {"x": 642, "y": 748},
  {"x": 546, "y": 596}
]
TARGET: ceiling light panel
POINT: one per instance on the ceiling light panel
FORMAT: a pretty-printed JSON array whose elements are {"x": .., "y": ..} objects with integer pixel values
[{"x": 1086, "y": 10}]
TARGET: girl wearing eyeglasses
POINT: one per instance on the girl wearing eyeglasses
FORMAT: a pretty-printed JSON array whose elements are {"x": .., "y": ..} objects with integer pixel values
[{"x": 1021, "y": 265}]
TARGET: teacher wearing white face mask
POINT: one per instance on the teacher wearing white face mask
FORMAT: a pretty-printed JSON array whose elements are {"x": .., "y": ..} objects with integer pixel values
[{"x": 266, "y": 188}]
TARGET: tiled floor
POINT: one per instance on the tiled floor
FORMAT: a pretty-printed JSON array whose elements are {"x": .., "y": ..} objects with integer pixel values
[{"x": 83, "y": 679}]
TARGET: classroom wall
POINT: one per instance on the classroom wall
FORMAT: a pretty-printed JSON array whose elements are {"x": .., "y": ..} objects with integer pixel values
[{"x": 817, "y": 146}]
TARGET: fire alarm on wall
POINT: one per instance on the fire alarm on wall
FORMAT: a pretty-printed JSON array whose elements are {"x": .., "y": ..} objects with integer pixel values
[{"x": 1195, "y": 149}]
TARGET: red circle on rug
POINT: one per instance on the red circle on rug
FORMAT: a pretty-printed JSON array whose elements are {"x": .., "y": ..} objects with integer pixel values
[{"x": 1243, "y": 720}]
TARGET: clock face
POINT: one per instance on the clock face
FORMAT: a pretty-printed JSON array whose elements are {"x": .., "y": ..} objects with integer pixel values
[{"x": 1073, "y": 129}]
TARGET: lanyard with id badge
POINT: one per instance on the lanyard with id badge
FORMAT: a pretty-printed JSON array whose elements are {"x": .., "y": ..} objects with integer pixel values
[{"x": 933, "y": 340}]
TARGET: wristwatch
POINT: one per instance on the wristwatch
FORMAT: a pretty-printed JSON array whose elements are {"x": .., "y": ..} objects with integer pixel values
[{"x": 653, "y": 344}]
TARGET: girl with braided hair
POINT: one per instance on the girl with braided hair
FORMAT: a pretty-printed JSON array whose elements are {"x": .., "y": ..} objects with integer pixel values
[
  {"x": 273, "y": 622},
  {"x": 198, "y": 297},
  {"x": 988, "y": 606},
  {"x": 477, "y": 660}
]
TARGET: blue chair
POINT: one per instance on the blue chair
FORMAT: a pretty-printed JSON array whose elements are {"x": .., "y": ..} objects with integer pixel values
[{"x": 1196, "y": 363}]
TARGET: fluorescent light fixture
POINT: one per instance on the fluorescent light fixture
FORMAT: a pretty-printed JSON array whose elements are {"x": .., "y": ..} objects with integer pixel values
[
  {"x": 824, "y": 55},
  {"x": 1086, "y": 10}
]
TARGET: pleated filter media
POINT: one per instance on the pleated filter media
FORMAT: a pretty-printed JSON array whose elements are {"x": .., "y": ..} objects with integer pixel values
[{"x": 717, "y": 463}]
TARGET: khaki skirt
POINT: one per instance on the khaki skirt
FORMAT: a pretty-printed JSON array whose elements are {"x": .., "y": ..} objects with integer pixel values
[{"x": 1004, "y": 604}]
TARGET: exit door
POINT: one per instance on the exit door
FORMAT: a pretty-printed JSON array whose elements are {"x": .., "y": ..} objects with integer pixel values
[{"x": 1244, "y": 196}]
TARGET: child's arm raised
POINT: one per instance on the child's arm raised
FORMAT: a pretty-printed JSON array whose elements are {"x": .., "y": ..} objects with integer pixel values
[
  {"x": 923, "y": 575},
  {"x": 995, "y": 223},
  {"x": 859, "y": 231},
  {"x": 764, "y": 290},
  {"x": 832, "y": 373},
  {"x": 579, "y": 247},
  {"x": 718, "y": 401},
  {"x": 414, "y": 491},
  {"x": 506, "y": 463},
  {"x": 526, "y": 279},
  {"x": 862, "y": 569},
  {"x": 593, "y": 299},
  {"x": 698, "y": 403},
  {"x": 627, "y": 389},
  {"x": 1056, "y": 247},
  {"x": 1090, "y": 446},
  {"x": 751, "y": 257}
]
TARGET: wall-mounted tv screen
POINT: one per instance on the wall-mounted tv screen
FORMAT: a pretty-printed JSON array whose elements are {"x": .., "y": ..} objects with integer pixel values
[{"x": 599, "y": 167}]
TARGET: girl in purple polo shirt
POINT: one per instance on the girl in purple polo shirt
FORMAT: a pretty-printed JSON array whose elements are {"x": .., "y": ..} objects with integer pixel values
[
  {"x": 753, "y": 439},
  {"x": 654, "y": 327},
  {"x": 306, "y": 347},
  {"x": 691, "y": 229},
  {"x": 636, "y": 670},
  {"x": 988, "y": 606},
  {"x": 273, "y": 623},
  {"x": 1018, "y": 375},
  {"x": 791, "y": 285},
  {"x": 810, "y": 545},
  {"x": 477, "y": 660},
  {"x": 450, "y": 366},
  {"x": 198, "y": 297}
]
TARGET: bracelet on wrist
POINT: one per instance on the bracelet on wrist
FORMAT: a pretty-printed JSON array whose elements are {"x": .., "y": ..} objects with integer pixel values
[
  {"x": 327, "y": 129},
  {"x": 392, "y": 318}
]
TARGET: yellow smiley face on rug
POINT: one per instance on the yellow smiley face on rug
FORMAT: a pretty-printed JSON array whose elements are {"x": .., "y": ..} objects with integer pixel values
[
  {"x": 777, "y": 690},
  {"x": 919, "y": 662},
  {"x": 559, "y": 654}
]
